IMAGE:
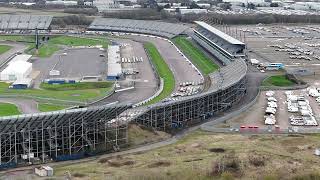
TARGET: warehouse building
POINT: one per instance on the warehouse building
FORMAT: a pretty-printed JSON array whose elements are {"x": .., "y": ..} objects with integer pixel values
[
  {"x": 17, "y": 70},
  {"x": 114, "y": 71}
]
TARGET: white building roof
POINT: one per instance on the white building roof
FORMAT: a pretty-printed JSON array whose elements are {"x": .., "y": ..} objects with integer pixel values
[
  {"x": 114, "y": 66},
  {"x": 17, "y": 67},
  {"x": 21, "y": 57},
  {"x": 23, "y": 81},
  {"x": 219, "y": 33}
]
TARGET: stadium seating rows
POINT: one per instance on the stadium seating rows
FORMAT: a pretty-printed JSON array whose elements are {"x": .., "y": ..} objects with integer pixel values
[
  {"x": 163, "y": 29},
  {"x": 24, "y": 22}
]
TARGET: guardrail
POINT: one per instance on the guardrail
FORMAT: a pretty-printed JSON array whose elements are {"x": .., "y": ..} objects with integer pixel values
[
  {"x": 209, "y": 126},
  {"x": 43, "y": 99},
  {"x": 152, "y": 97}
]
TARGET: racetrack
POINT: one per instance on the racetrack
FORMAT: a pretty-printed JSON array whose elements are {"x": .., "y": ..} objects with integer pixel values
[
  {"x": 145, "y": 82},
  {"x": 25, "y": 106},
  {"x": 16, "y": 47},
  {"x": 182, "y": 70}
]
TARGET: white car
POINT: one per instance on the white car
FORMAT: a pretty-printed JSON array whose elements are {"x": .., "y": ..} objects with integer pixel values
[{"x": 272, "y": 99}]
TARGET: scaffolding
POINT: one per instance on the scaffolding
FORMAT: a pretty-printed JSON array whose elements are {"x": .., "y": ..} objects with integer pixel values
[
  {"x": 59, "y": 136},
  {"x": 182, "y": 114}
]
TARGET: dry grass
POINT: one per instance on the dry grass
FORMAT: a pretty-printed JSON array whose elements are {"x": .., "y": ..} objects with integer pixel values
[{"x": 247, "y": 157}]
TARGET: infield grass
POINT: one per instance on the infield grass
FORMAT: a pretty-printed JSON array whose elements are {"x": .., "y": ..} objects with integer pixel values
[
  {"x": 163, "y": 71},
  {"x": 7, "y": 109},
  {"x": 198, "y": 58}
]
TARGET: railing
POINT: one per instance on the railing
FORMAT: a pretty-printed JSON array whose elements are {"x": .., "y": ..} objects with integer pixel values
[{"x": 152, "y": 97}]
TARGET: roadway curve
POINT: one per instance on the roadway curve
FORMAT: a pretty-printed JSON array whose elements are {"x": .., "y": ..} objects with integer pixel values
[
  {"x": 25, "y": 106},
  {"x": 16, "y": 47},
  {"x": 181, "y": 69}
]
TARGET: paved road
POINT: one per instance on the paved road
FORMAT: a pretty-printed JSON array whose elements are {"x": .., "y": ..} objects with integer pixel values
[
  {"x": 146, "y": 85},
  {"x": 16, "y": 47},
  {"x": 182, "y": 70},
  {"x": 26, "y": 106}
]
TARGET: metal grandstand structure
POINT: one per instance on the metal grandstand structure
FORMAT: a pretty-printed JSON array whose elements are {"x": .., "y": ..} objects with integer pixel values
[
  {"x": 218, "y": 43},
  {"x": 24, "y": 22},
  {"x": 73, "y": 134},
  {"x": 60, "y": 135},
  {"x": 228, "y": 87},
  {"x": 163, "y": 29}
]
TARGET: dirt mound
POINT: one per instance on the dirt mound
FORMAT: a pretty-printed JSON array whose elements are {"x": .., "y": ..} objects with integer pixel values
[
  {"x": 159, "y": 164},
  {"x": 217, "y": 150}
]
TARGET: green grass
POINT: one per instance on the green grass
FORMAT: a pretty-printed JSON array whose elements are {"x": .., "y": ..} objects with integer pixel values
[
  {"x": 277, "y": 80},
  {"x": 76, "y": 86},
  {"x": 163, "y": 70},
  {"x": 4, "y": 48},
  {"x": 54, "y": 43},
  {"x": 44, "y": 107},
  {"x": 77, "y": 41},
  {"x": 17, "y": 38},
  {"x": 82, "y": 95},
  {"x": 47, "y": 50},
  {"x": 198, "y": 58},
  {"x": 7, "y": 109}
]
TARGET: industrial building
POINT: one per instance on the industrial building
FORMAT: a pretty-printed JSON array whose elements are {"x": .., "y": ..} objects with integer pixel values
[
  {"x": 224, "y": 47},
  {"x": 17, "y": 70},
  {"x": 114, "y": 71}
]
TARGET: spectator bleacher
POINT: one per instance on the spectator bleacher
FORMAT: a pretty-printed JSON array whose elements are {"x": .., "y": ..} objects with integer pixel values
[
  {"x": 24, "y": 22},
  {"x": 163, "y": 29}
]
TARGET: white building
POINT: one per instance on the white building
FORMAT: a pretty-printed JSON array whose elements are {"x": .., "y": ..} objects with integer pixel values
[
  {"x": 16, "y": 70},
  {"x": 114, "y": 63},
  {"x": 59, "y": 2}
]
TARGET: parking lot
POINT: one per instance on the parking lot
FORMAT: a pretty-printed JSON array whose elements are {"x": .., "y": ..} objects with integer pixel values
[
  {"x": 72, "y": 63},
  {"x": 256, "y": 115},
  {"x": 294, "y": 46}
]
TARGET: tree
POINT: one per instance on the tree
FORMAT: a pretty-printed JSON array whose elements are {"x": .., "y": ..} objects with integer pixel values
[
  {"x": 225, "y": 6},
  {"x": 251, "y": 6},
  {"x": 194, "y": 5}
]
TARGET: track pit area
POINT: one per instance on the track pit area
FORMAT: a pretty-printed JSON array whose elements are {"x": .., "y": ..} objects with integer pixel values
[{"x": 72, "y": 64}]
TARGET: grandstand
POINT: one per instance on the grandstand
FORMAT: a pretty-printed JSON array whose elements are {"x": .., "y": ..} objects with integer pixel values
[
  {"x": 219, "y": 44},
  {"x": 24, "y": 22},
  {"x": 60, "y": 135},
  {"x": 163, "y": 29},
  {"x": 73, "y": 134},
  {"x": 227, "y": 89}
]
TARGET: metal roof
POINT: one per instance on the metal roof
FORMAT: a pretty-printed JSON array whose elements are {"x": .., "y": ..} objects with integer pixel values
[
  {"x": 219, "y": 33},
  {"x": 114, "y": 66}
]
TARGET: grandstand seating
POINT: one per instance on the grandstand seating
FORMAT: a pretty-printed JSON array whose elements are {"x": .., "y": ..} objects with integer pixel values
[
  {"x": 24, "y": 22},
  {"x": 163, "y": 29},
  {"x": 221, "y": 45}
]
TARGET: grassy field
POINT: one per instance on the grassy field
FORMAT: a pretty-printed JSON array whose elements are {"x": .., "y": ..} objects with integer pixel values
[
  {"x": 76, "y": 86},
  {"x": 4, "y": 48},
  {"x": 7, "y": 109},
  {"x": 54, "y": 44},
  {"x": 277, "y": 80},
  {"x": 163, "y": 71},
  {"x": 44, "y": 107},
  {"x": 198, "y": 58},
  {"x": 75, "y": 94},
  {"x": 17, "y": 38},
  {"x": 200, "y": 154}
]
